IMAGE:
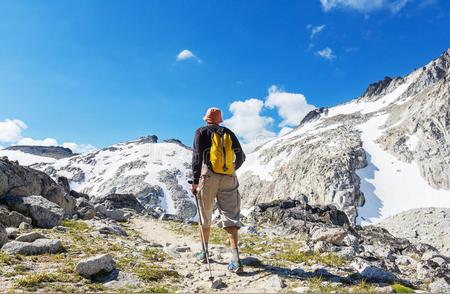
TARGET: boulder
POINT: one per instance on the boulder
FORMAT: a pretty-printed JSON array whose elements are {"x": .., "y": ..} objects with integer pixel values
[
  {"x": 77, "y": 195},
  {"x": 372, "y": 272},
  {"x": 30, "y": 237},
  {"x": 334, "y": 236},
  {"x": 12, "y": 218},
  {"x": 95, "y": 265},
  {"x": 44, "y": 214},
  {"x": 3, "y": 235},
  {"x": 114, "y": 214},
  {"x": 85, "y": 210},
  {"x": 112, "y": 230},
  {"x": 12, "y": 233},
  {"x": 17, "y": 180},
  {"x": 119, "y": 201},
  {"x": 64, "y": 183},
  {"x": 25, "y": 227},
  {"x": 39, "y": 246}
]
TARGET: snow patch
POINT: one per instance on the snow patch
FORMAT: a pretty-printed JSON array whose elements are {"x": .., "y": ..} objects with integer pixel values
[{"x": 391, "y": 186}]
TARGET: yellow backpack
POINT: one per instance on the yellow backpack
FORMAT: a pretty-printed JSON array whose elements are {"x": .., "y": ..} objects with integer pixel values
[{"x": 221, "y": 154}]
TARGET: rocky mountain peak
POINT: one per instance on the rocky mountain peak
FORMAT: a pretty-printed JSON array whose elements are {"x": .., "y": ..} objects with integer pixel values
[
  {"x": 148, "y": 139},
  {"x": 380, "y": 87}
]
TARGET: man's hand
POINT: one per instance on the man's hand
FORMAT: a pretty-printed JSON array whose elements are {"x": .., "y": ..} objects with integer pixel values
[{"x": 194, "y": 189}]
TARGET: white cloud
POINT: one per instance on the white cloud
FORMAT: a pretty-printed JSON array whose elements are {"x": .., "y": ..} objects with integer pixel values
[
  {"x": 11, "y": 130},
  {"x": 187, "y": 54},
  {"x": 291, "y": 107},
  {"x": 11, "y": 133},
  {"x": 247, "y": 121},
  {"x": 326, "y": 53},
  {"x": 33, "y": 142},
  {"x": 364, "y": 6},
  {"x": 255, "y": 129},
  {"x": 79, "y": 148},
  {"x": 315, "y": 30}
]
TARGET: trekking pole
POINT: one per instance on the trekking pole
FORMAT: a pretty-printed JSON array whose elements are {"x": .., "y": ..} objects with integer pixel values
[{"x": 211, "y": 278}]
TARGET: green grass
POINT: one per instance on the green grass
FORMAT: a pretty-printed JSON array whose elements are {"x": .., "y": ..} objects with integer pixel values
[
  {"x": 75, "y": 225},
  {"x": 399, "y": 288},
  {"x": 154, "y": 254},
  {"x": 6, "y": 259},
  {"x": 317, "y": 285},
  {"x": 37, "y": 279},
  {"x": 152, "y": 273}
]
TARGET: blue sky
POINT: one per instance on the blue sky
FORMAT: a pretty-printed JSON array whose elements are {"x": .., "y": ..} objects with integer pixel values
[{"x": 100, "y": 72}]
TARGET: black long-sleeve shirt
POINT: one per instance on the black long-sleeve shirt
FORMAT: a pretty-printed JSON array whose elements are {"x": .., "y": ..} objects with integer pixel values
[{"x": 202, "y": 144}]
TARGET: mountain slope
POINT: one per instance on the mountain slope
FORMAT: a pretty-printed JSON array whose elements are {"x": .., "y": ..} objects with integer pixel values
[
  {"x": 156, "y": 173},
  {"x": 382, "y": 153}
]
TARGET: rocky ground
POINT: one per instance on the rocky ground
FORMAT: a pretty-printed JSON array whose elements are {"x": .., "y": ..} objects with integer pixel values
[
  {"x": 54, "y": 239},
  {"x": 426, "y": 225}
]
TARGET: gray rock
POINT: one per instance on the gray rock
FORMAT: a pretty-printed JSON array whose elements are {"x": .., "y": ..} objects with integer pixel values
[
  {"x": 371, "y": 272},
  {"x": 439, "y": 286},
  {"x": 218, "y": 284},
  {"x": 44, "y": 214},
  {"x": 95, "y": 265},
  {"x": 120, "y": 201},
  {"x": 113, "y": 230},
  {"x": 334, "y": 236},
  {"x": 114, "y": 214},
  {"x": 274, "y": 283},
  {"x": 346, "y": 252},
  {"x": 16, "y": 180},
  {"x": 12, "y": 232},
  {"x": 85, "y": 210},
  {"x": 60, "y": 229},
  {"x": 3, "y": 235},
  {"x": 124, "y": 280},
  {"x": 12, "y": 218},
  {"x": 30, "y": 237},
  {"x": 182, "y": 249},
  {"x": 39, "y": 246},
  {"x": 25, "y": 226}
]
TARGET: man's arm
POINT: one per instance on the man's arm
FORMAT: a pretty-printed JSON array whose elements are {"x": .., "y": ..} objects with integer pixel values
[
  {"x": 197, "y": 157},
  {"x": 240, "y": 155}
]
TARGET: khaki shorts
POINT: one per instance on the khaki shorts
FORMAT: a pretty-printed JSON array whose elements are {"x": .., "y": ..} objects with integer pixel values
[{"x": 224, "y": 188}]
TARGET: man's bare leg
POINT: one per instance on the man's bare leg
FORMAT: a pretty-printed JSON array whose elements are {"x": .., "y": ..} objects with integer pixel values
[{"x": 233, "y": 236}]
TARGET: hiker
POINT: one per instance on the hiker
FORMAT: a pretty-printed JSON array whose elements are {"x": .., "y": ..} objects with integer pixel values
[{"x": 217, "y": 154}]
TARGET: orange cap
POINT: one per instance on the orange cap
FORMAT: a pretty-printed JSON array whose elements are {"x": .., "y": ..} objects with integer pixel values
[{"x": 213, "y": 116}]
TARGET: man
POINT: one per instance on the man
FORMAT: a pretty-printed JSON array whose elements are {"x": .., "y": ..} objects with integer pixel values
[{"x": 217, "y": 154}]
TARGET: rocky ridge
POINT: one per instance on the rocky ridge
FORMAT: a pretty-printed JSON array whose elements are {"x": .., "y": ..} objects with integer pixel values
[
  {"x": 155, "y": 173},
  {"x": 56, "y": 152},
  {"x": 341, "y": 155}
]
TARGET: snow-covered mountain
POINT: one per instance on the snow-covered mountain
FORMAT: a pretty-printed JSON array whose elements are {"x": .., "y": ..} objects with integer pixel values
[
  {"x": 384, "y": 152},
  {"x": 156, "y": 173}
]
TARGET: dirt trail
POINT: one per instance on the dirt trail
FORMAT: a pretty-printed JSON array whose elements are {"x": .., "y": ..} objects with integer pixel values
[{"x": 196, "y": 275}]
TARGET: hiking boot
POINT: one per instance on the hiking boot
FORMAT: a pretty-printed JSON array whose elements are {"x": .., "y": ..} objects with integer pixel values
[
  {"x": 201, "y": 257},
  {"x": 235, "y": 267}
]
